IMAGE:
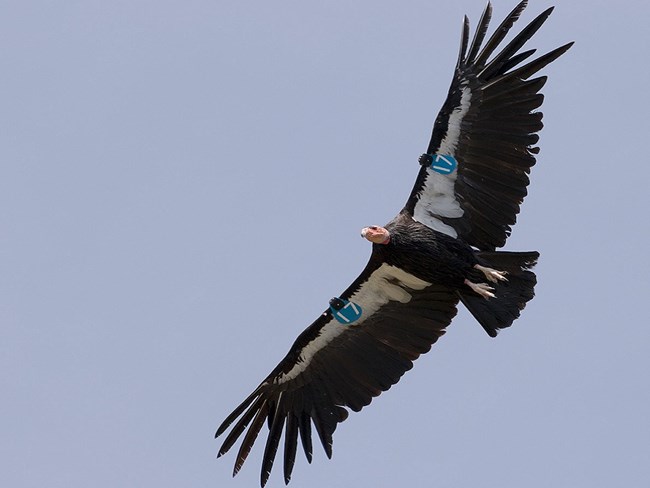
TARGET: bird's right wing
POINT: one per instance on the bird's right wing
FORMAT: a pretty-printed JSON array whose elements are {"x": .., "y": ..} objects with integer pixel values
[{"x": 384, "y": 321}]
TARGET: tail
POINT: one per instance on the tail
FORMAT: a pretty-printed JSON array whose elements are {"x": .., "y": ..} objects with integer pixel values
[{"x": 510, "y": 296}]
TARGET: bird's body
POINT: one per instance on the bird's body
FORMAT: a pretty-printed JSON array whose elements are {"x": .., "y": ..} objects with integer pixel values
[
  {"x": 426, "y": 253},
  {"x": 435, "y": 257},
  {"x": 441, "y": 249}
]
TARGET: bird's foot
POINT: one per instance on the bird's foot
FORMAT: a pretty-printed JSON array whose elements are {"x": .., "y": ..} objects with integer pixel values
[
  {"x": 492, "y": 274},
  {"x": 482, "y": 289}
]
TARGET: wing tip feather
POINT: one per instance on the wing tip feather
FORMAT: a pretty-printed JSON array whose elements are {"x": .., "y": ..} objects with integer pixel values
[{"x": 464, "y": 40}]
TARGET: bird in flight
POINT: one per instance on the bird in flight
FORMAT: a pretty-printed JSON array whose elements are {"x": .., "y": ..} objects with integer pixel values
[{"x": 438, "y": 251}]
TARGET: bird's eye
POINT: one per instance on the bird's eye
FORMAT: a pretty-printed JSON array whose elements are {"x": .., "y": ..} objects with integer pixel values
[{"x": 373, "y": 227}]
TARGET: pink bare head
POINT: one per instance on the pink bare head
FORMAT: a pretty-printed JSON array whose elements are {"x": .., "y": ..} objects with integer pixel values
[{"x": 376, "y": 234}]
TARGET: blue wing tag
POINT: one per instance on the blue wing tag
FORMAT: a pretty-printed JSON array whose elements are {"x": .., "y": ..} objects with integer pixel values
[
  {"x": 344, "y": 311},
  {"x": 444, "y": 164}
]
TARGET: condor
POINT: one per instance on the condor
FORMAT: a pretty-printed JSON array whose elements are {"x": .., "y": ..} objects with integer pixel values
[{"x": 441, "y": 249}]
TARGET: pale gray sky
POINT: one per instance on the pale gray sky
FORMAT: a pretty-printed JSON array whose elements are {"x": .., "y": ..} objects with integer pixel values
[{"x": 182, "y": 189}]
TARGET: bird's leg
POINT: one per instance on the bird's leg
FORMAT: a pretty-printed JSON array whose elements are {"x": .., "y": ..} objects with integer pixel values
[
  {"x": 492, "y": 274},
  {"x": 482, "y": 289}
]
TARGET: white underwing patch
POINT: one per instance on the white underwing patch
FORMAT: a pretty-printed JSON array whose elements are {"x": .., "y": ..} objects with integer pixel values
[
  {"x": 438, "y": 198},
  {"x": 387, "y": 283}
]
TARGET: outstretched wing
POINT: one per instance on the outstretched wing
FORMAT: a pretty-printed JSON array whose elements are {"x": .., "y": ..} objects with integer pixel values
[
  {"x": 335, "y": 364},
  {"x": 475, "y": 173}
]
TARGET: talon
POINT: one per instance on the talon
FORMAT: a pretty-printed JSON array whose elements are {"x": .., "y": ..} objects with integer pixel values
[
  {"x": 492, "y": 274},
  {"x": 482, "y": 289}
]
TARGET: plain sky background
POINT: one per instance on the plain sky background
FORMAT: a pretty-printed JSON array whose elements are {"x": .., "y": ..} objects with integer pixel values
[{"x": 181, "y": 191}]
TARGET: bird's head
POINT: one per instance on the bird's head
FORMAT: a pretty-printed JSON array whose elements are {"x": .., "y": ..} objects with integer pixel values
[{"x": 376, "y": 234}]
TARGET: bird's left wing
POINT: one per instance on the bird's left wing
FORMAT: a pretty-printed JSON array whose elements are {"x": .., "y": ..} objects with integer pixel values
[
  {"x": 356, "y": 349},
  {"x": 474, "y": 175}
]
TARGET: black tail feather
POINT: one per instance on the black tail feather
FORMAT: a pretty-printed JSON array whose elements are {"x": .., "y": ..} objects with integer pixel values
[{"x": 511, "y": 296}]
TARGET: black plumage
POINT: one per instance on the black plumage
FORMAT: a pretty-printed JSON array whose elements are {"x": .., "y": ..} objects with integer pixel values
[{"x": 433, "y": 254}]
